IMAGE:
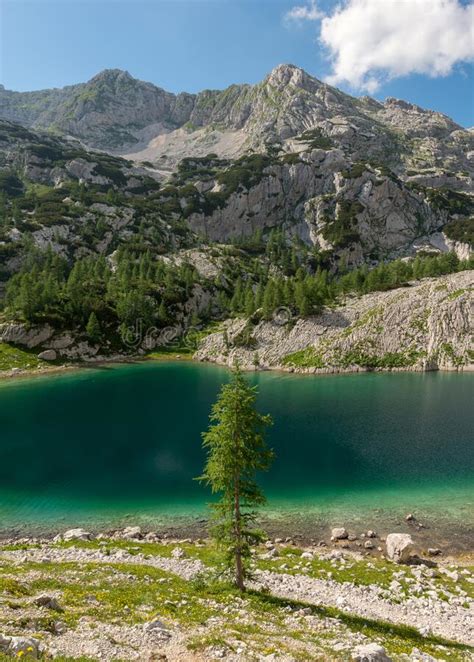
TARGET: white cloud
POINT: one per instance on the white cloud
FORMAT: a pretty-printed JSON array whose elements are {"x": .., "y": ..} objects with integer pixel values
[
  {"x": 369, "y": 41},
  {"x": 301, "y": 13}
]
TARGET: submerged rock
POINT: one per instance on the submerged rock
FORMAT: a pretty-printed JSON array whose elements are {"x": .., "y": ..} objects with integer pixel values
[{"x": 339, "y": 533}]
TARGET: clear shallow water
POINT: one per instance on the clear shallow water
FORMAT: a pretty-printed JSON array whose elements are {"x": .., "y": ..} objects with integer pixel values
[{"x": 109, "y": 443}]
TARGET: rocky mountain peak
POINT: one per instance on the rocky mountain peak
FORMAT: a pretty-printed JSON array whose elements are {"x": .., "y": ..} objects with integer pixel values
[
  {"x": 114, "y": 79},
  {"x": 288, "y": 74},
  {"x": 111, "y": 74}
]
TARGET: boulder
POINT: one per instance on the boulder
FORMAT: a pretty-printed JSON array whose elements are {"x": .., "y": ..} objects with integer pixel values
[
  {"x": 339, "y": 533},
  {"x": 370, "y": 653},
  {"x": 132, "y": 533},
  {"x": 151, "y": 537},
  {"x": 48, "y": 601},
  {"x": 155, "y": 624},
  {"x": 77, "y": 534},
  {"x": 399, "y": 547},
  {"x": 271, "y": 554},
  {"x": 48, "y": 355},
  {"x": 20, "y": 334},
  {"x": 157, "y": 631}
]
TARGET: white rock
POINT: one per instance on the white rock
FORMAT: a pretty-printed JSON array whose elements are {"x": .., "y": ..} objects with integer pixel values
[
  {"x": 131, "y": 533},
  {"x": 370, "y": 653},
  {"x": 151, "y": 537},
  {"x": 399, "y": 547},
  {"x": 48, "y": 355},
  {"x": 425, "y": 631},
  {"x": 77, "y": 534},
  {"x": 272, "y": 553}
]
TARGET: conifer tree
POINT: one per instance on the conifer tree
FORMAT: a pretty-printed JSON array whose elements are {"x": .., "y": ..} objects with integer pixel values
[
  {"x": 236, "y": 450},
  {"x": 93, "y": 328},
  {"x": 269, "y": 300},
  {"x": 249, "y": 301}
]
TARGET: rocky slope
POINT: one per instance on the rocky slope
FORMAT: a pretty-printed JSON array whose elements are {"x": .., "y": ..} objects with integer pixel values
[
  {"x": 325, "y": 200},
  {"x": 77, "y": 594},
  {"x": 355, "y": 211},
  {"x": 426, "y": 326}
]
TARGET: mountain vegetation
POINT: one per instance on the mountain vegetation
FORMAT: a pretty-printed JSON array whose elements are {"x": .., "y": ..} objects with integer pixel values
[{"x": 288, "y": 193}]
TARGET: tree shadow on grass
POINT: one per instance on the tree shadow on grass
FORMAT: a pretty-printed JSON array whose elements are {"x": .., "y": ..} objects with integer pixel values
[{"x": 361, "y": 623}]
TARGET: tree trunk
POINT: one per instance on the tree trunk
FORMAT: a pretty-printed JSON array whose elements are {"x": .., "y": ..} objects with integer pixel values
[{"x": 239, "y": 571}]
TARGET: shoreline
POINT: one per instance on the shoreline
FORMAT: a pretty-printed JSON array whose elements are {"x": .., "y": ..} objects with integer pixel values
[
  {"x": 453, "y": 536},
  {"x": 47, "y": 370},
  {"x": 179, "y": 357}
]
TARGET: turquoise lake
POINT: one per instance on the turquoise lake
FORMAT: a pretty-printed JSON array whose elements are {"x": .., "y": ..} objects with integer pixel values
[{"x": 111, "y": 443}]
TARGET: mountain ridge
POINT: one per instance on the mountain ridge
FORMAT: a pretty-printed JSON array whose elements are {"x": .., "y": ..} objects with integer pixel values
[
  {"x": 116, "y": 112},
  {"x": 108, "y": 72}
]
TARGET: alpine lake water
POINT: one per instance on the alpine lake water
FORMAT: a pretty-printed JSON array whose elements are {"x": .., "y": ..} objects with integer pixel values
[{"x": 121, "y": 444}]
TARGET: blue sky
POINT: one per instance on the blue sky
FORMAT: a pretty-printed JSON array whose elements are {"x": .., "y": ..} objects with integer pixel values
[{"x": 196, "y": 44}]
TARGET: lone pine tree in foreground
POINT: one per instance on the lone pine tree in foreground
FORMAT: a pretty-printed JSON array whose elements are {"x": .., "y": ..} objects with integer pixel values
[{"x": 236, "y": 450}]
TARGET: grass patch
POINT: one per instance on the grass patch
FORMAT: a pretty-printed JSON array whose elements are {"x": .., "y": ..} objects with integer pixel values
[
  {"x": 14, "y": 357},
  {"x": 304, "y": 358},
  {"x": 458, "y": 293}
]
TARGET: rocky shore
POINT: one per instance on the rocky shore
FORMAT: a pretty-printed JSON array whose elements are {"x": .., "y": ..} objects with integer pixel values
[
  {"x": 426, "y": 326},
  {"x": 133, "y": 594}
]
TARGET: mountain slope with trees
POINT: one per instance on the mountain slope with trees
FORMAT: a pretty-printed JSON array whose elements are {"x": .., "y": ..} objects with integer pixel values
[{"x": 318, "y": 199}]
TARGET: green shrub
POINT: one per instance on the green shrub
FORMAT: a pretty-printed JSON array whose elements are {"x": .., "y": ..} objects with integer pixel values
[
  {"x": 357, "y": 170},
  {"x": 316, "y": 139},
  {"x": 341, "y": 231},
  {"x": 461, "y": 229},
  {"x": 11, "y": 184}
]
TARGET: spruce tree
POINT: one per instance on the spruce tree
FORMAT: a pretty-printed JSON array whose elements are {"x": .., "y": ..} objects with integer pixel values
[
  {"x": 269, "y": 300},
  {"x": 93, "y": 328},
  {"x": 236, "y": 450},
  {"x": 249, "y": 301}
]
